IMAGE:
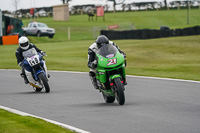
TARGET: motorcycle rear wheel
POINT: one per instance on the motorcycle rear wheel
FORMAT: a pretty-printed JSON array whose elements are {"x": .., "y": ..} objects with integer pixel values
[
  {"x": 44, "y": 81},
  {"x": 119, "y": 94}
]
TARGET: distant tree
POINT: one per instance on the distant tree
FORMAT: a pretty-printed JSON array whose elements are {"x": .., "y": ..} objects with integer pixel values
[
  {"x": 64, "y": 1},
  {"x": 15, "y": 3},
  {"x": 107, "y": 7},
  {"x": 165, "y": 1},
  {"x": 116, "y": 3}
]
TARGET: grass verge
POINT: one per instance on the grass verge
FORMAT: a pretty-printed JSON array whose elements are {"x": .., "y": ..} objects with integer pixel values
[
  {"x": 13, "y": 123},
  {"x": 82, "y": 29},
  {"x": 176, "y": 57}
]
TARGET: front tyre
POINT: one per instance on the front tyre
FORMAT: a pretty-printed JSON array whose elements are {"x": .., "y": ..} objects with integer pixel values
[
  {"x": 108, "y": 99},
  {"x": 119, "y": 91},
  {"x": 50, "y": 36},
  {"x": 38, "y": 89},
  {"x": 44, "y": 81},
  {"x": 39, "y": 34}
]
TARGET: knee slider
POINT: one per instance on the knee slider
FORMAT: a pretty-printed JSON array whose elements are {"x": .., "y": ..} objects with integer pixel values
[{"x": 92, "y": 74}]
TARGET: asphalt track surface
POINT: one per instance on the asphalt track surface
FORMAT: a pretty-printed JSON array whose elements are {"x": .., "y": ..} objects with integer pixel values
[{"x": 152, "y": 105}]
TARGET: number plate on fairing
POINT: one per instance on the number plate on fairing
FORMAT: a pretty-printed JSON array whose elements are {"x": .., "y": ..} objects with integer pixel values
[
  {"x": 112, "y": 61},
  {"x": 34, "y": 60}
]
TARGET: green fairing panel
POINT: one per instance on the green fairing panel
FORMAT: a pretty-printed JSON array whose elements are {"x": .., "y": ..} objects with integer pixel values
[
  {"x": 115, "y": 76},
  {"x": 110, "y": 62}
]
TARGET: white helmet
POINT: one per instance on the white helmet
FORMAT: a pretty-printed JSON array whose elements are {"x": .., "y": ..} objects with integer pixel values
[{"x": 23, "y": 43}]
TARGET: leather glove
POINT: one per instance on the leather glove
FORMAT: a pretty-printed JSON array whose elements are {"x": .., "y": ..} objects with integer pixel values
[
  {"x": 125, "y": 59},
  {"x": 92, "y": 65},
  {"x": 21, "y": 64},
  {"x": 124, "y": 56},
  {"x": 43, "y": 53}
]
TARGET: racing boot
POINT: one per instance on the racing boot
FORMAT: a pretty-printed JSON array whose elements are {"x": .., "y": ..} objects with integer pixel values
[
  {"x": 48, "y": 75},
  {"x": 94, "y": 82},
  {"x": 93, "y": 79},
  {"x": 125, "y": 82},
  {"x": 24, "y": 76},
  {"x": 25, "y": 80}
]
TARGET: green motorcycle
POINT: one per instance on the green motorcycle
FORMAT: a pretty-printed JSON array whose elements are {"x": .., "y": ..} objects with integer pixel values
[{"x": 111, "y": 77}]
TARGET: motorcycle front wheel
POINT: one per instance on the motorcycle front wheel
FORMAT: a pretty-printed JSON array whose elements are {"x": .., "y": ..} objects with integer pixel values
[
  {"x": 108, "y": 99},
  {"x": 37, "y": 89},
  {"x": 119, "y": 91},
  {"x": 44, "y": 81}
]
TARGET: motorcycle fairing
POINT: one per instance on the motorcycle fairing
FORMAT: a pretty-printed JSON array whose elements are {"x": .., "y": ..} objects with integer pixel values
[{"x": 31, "y": 80}]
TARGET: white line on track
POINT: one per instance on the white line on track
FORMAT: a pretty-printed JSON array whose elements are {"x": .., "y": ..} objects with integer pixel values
[
  {"x": 71, "y": 127},
  {"x": 144, "y": 77},
  {"x": 51, "y": 121},
  {"x": 48, "y": 120}
]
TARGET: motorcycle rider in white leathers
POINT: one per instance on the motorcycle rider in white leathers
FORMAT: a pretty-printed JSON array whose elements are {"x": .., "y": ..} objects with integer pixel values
[
  {"x": 92, "y": 64},
  {"x": 24, "y": 45}
]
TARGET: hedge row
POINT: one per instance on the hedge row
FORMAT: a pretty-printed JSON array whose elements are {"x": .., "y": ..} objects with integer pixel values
[{"x": 149, "y": 34}]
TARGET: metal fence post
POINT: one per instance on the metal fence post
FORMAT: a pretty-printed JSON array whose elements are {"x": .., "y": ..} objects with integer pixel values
[{"x": 1, "y": 32}]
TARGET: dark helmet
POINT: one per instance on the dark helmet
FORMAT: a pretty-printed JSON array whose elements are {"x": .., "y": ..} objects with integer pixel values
[{"x": 102, "y": 40}]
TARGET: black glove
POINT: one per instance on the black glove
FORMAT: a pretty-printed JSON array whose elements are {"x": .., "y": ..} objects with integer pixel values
[
  {"x": 92, "y": 65},
  {"x": 124, "y": 56},
  {"x": 43, "y": 53}
]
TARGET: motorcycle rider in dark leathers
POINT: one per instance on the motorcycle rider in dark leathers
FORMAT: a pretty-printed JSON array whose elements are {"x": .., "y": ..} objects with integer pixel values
[
  {"x": 24, "y": 45},
  {"x": 92, "y": 64}
]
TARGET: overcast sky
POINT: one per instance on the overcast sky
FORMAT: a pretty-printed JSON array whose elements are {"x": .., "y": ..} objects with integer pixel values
[{"x": 25, "y": 4}]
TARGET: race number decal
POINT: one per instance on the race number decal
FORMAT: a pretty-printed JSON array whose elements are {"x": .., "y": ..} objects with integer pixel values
[
  {"x": 33, "y": 61},
  {"x": 112, "y": 61}
]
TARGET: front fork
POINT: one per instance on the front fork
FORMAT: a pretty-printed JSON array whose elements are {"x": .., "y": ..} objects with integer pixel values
[
  {"x": 45, "y": 68},
  {"x": 39, "y": 69}
]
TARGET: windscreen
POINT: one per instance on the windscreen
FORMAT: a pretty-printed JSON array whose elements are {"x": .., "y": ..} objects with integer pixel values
[
  {"x": 107, "y": 51},
  {"x": 29, "y": 53},
  {"x": 42, "y": 25}
]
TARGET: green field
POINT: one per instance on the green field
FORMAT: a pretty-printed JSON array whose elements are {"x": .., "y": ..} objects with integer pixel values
[
  {"x": 174, "y": 57},
  {"x": 82, "y": 29}
]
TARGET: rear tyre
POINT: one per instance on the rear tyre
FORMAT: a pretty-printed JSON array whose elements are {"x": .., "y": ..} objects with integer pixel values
[
  {"x": 38, "y": 34},
  {"x": 44, "y": 81},
  {"x": 50, "y": 36},
  {"x": 119, "y": 94},
  {"x": 108, "y": 99}
]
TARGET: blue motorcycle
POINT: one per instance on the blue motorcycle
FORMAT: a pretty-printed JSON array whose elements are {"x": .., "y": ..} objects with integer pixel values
[{"x": 36, "y": 70}]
